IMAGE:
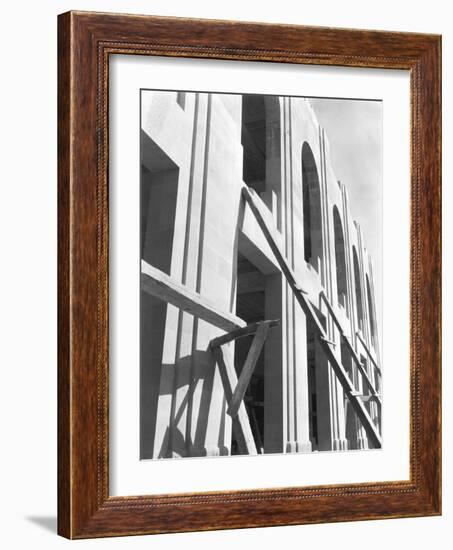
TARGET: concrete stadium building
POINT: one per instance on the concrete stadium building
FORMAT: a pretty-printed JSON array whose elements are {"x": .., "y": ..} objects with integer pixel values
[{"x": 258, "y": 316}]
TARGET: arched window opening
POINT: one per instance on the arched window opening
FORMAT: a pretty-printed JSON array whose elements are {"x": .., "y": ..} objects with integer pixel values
[
  {"x": 372, "y": 313},
  {"x": 311, "y": 196},
  {"x": 260, "y": 138},
  {"x": 358, "y": 289},
  {"x": 340, "y": 260}
]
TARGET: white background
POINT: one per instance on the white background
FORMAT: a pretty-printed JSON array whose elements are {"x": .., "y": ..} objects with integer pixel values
[{"x": 28, "y": 274}]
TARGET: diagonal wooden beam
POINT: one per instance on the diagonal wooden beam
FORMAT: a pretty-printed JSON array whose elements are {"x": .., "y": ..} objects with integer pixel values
[
  {"x": 248, "y": 368},
  {"x": 241, "y": 422},
  {"x": 307, "y": 308},
  {"x": 368, "y": 352},
  {"x": 351, "y": 349},
  {"x": 367, "y": 398},
  {"x": 363, "y": 371},
  {"x": 162, "y": 286},
  {"x": 241, "y": 332}
]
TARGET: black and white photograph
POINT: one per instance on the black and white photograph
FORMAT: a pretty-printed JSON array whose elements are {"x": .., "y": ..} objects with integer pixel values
[
  {"x": 261, "y": 274},
  {"x": 224, "y": 309}
]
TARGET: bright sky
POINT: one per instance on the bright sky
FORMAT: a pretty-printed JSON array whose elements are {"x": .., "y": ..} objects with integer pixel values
[{"x": 354, "y": 130}]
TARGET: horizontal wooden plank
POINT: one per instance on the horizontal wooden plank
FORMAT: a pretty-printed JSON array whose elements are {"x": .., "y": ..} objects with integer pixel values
[
  {"x": 241, "y": 332},
  {"x": 367, "y": 398},
  {"x": 162, "y": 286}
]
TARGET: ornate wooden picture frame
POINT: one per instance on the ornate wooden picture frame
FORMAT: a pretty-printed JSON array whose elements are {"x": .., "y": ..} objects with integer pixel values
[{"x": 86, "y": 41}]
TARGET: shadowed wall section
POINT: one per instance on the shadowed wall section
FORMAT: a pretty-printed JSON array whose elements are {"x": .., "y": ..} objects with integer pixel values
[{"x": 159, "y": 189}]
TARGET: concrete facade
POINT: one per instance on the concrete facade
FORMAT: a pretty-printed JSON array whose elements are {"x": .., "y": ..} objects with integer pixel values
[{"x": 197, "y": 152}]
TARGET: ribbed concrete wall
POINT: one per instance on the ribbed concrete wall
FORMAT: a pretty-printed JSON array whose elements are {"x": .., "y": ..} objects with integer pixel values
[{"x": 194, "y": 141}]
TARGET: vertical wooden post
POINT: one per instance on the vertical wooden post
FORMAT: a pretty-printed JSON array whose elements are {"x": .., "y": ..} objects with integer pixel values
[
  {"x": 248, "y": 368},
  {"x": 241, "y": 423}
]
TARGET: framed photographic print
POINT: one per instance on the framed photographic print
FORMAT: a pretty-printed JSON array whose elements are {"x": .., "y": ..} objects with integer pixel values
[{"x": 249, "y": 275}]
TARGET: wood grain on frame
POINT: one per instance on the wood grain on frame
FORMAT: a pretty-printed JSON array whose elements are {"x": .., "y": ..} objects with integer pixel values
[{"x": 85, "y": 42}]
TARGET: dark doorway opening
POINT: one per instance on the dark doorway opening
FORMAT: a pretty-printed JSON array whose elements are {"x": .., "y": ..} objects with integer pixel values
[
  {"x": 253, "y": 138},
  {"x": 260, "y": 139},
  {"x": 311, "y": 369},
  {"x": 250, "y": 306}
]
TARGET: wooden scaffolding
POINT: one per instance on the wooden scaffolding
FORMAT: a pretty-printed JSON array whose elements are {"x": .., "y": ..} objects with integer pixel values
[{"x": 162, "y": 286}]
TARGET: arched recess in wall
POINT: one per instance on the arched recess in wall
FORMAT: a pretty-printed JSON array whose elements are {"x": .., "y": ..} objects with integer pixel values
[
  {"x": 311, "y": 196},
  {"x": 372, "y": 313},
  {"x": 260, "y": 138},
  {"x": 358, "y": 289},
  {"x": 340, "y": 261}
]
